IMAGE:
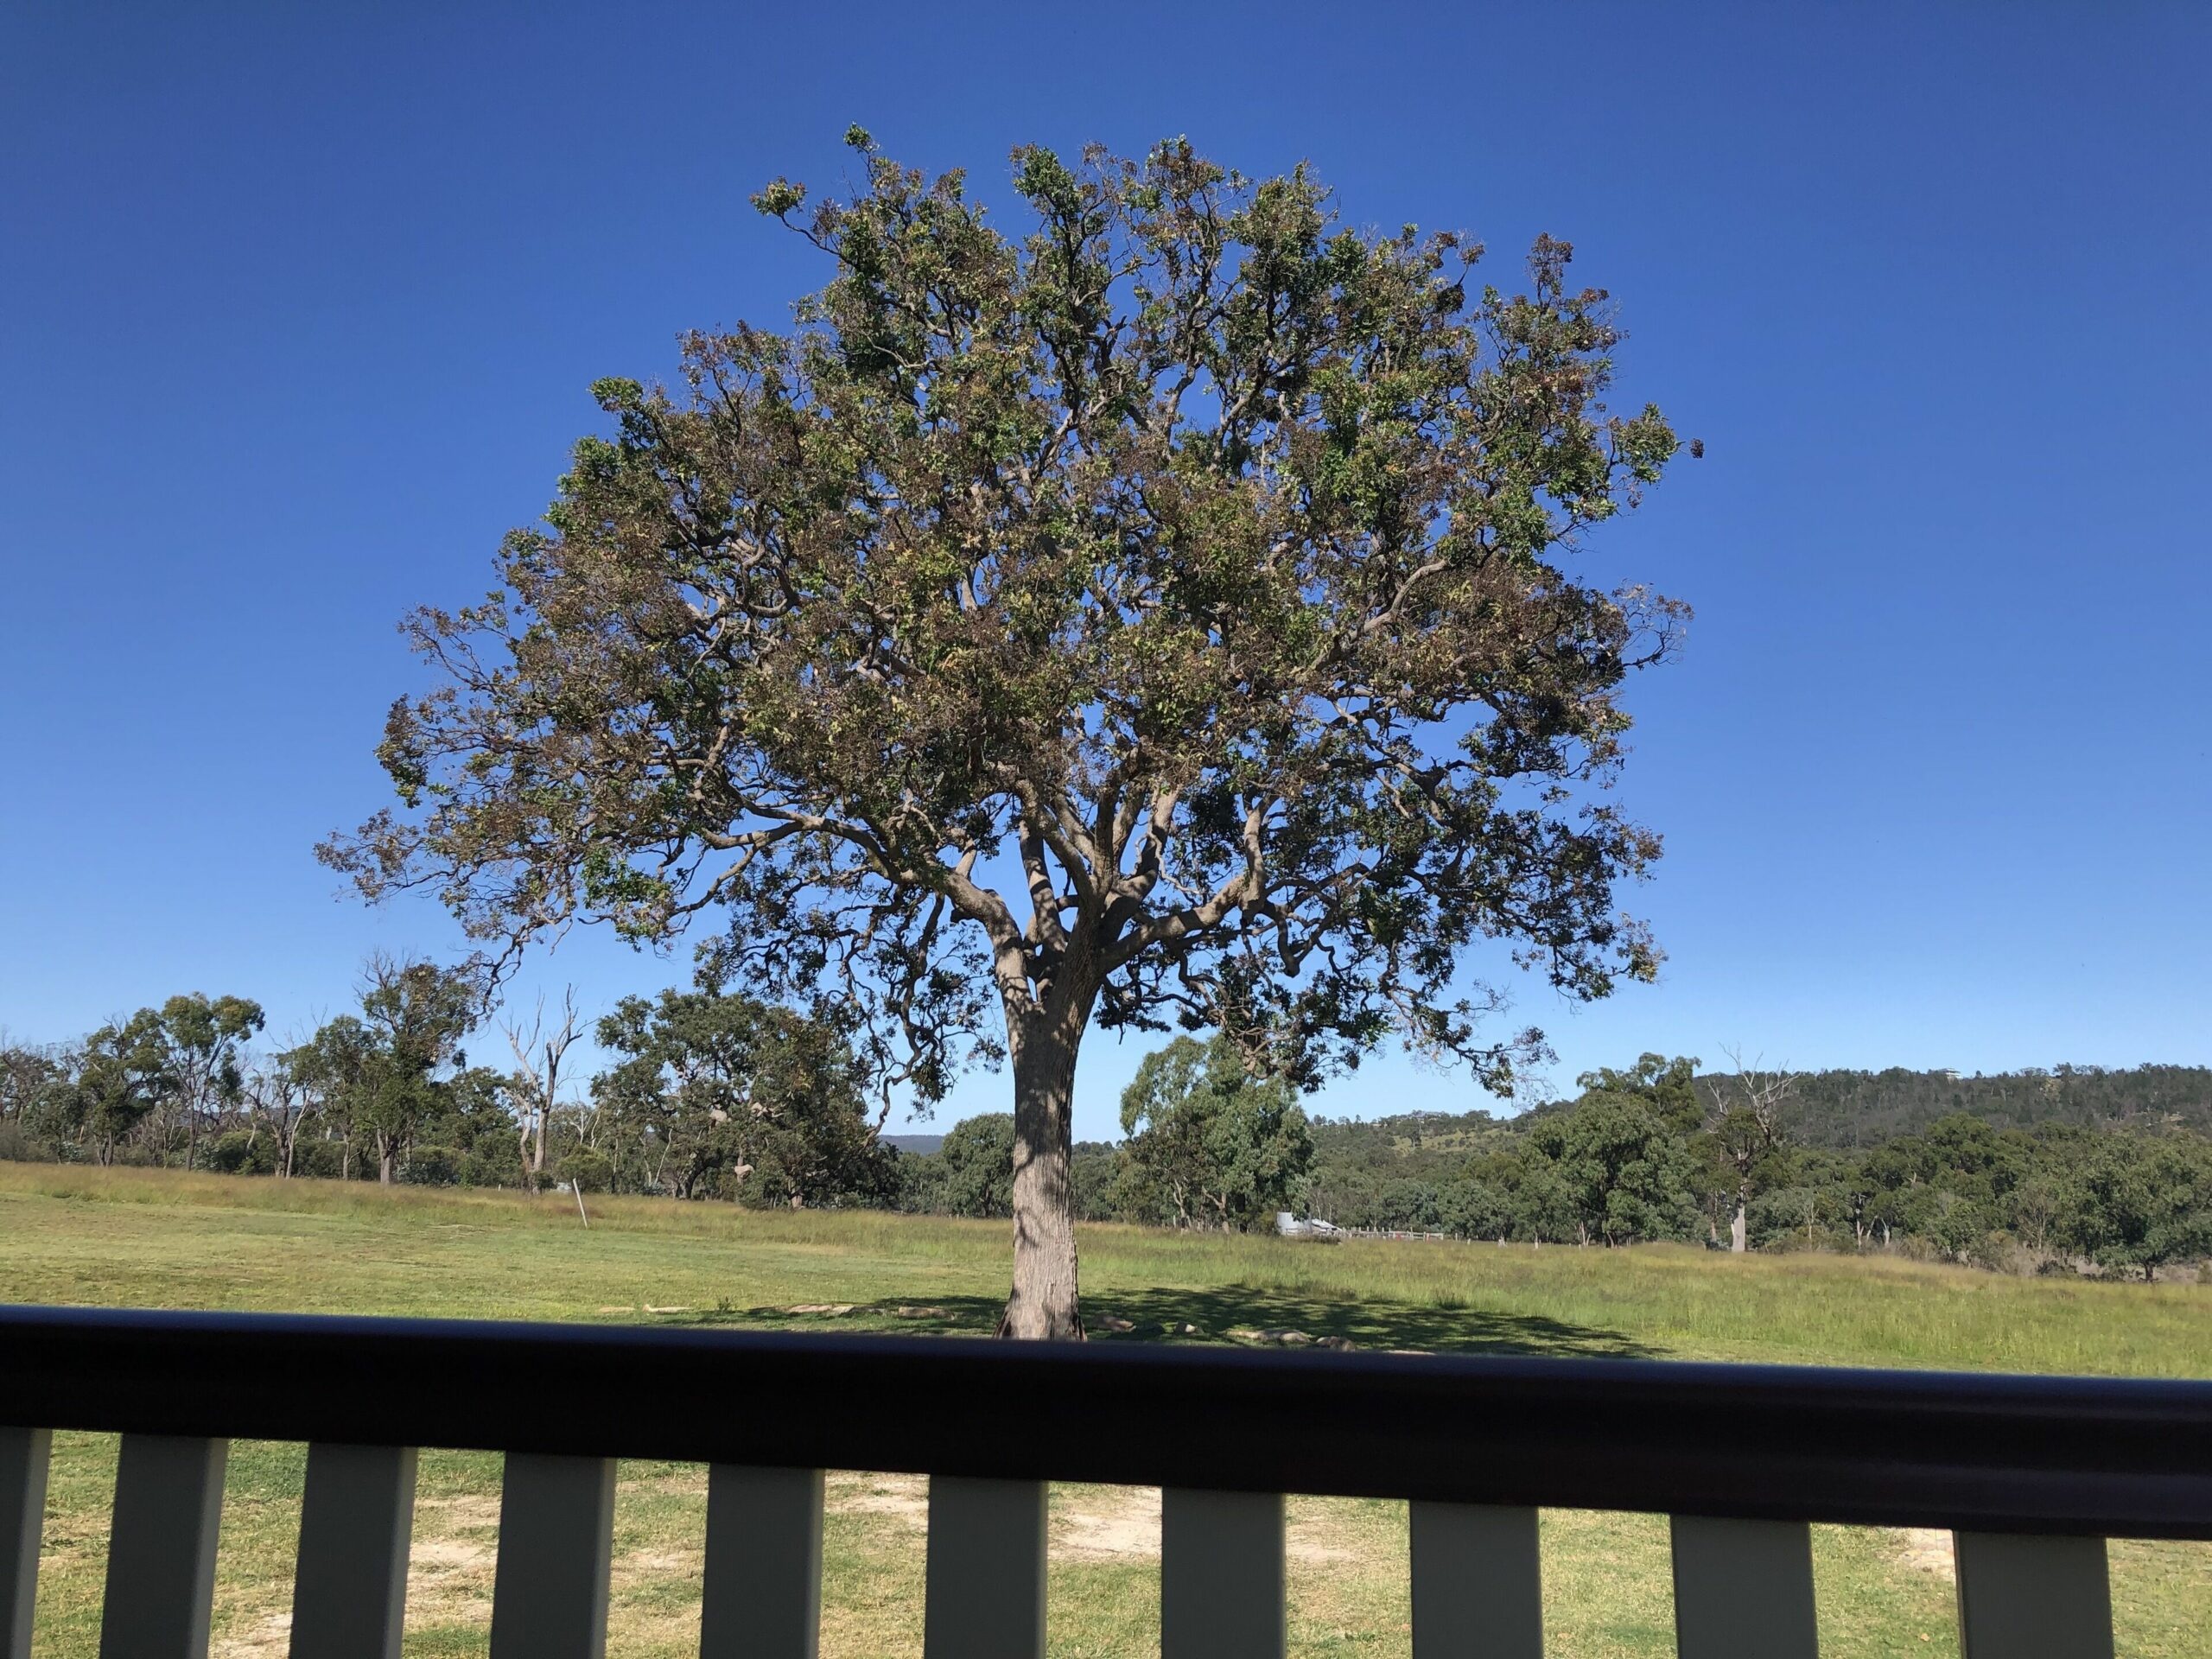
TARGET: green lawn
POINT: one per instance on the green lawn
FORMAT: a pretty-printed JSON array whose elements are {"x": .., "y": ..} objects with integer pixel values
[{"x": 150, "y": 1239}]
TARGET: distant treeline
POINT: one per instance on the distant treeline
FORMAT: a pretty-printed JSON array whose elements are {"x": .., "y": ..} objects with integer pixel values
[
  {"x": 1863, "y": 1108},
  {"x": 2036, "y": 1170},
  {"x": 2076, "y": 1170},
  {"x": 707, "y": 1096},
  {"x": 704, "y": 1095}
]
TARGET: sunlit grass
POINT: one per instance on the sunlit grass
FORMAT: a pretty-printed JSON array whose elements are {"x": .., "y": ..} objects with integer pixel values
[
  {"x": 154, "y": 1239},
  {"x": 158, "y": 1239}
]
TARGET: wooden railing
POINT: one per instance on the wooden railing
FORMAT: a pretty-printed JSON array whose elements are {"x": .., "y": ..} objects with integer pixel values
[{"x": 2032, "y": 1474}]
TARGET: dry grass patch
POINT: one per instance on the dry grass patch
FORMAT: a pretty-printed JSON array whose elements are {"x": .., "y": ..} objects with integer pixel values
[{"x": 1105, "y": 1523}]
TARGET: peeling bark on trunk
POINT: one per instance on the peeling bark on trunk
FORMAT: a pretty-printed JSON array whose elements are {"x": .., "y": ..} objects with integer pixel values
[{"x": 1042, "y": 1304}]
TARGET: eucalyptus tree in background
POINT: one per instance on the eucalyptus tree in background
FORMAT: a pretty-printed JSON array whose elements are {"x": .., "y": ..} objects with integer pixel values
[
  {"x": 206, "y": 1038},
  {"x": 329, "y": 1071},
  {"x": 1624, "y": 1172},
  {"x": 1748, "y": 1130},
  {"x": 124, "y": 1075},
  {"x": 28, "y": 1076},
  {"x": 2141, "y": 1201},
  {"x": 1165, "y": 613},
  {"x": 976, "y": 1165},
  {"x": 765, "y": 1104},
  {"x": 540, "y": 1053},
  {"x": 1208, "y": 1145},
  {"x": 280, "y": 1097},
  {"x": 417, "y": 1013},
  {"x": 383, "y": 1074}
]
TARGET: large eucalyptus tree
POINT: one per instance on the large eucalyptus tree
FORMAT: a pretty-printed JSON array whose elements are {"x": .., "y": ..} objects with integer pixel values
[{"x": 1164, "y": 615}]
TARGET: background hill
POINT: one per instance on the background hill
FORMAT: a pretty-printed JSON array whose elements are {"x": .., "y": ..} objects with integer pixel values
[{"x": 1854, "y": 1109}]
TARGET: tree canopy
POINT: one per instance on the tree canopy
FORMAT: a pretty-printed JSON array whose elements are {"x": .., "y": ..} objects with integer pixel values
[
  {"x": 1209, "y": 1145},
  {"x": 755, "y": 1100},
  {"x": 387, "y": 1071},
  {"x": 1626, "y": 1173},
  {"x": 1164, "y": 615}
]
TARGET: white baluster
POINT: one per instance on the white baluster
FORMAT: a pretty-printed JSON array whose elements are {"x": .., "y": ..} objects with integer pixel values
[
  {"x": 349, "y": 1592},
  {"x": 1478, "y": 1584},
  {"x": 1221, "y": 1575},
  {"x": 556, "y": 1539},
  {"x": 1744, "y": 1589},
  {"x": 2023, "y": 1597},
  {"x": 160, "y": 1552},
  {"x": 985, "y": 1597},
  {"x": 23, "y": 1456},
  {"x": 764, "y": 1564}
]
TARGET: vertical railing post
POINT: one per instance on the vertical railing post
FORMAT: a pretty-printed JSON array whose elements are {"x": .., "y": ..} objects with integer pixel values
[
  {"x": 763, "y": 1593},
  {"x": 2027, "y": 1597},
  {"x": 984, "y": 1596},
  {"x": 1744, "y": 1589},
  {"x": 24, "y": 1453},
  {"x": 160, "y": 1552},
  {"x": 557, "y": 1544},
  {"x": 1221, "y": 1575},
  {"x": 1478, "y": 1582},
  {"x": 349, "y": 1593}
]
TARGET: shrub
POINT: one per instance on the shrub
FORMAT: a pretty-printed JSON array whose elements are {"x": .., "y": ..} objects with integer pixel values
[
  {"x": 588, "y": 1171},
  {"x": 240, "y": 1152},
  {"x": 16, "y": 1148},
  {"x": 481, "y": 1168},
  {"x": 434, "y": 1166},
  {"x": 321, "y": 1160}
]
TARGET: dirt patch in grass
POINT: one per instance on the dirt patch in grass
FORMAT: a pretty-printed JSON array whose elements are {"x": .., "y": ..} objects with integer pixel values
[
  {"x": 902, "y": 1498},
  {"x": 1107, "y": 1523},
  {"x": 1928, "y": 1550},
  {"x": 458, "y": 1512},
  {"x": 269, "y": 1639},
  {"x": 640, "y": 1566},
  {"x": 450, "y": 1561},
  {"x": 1320, "y": 1540}
]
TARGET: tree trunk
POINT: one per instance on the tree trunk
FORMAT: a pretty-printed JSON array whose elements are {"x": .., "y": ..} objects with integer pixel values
[
  {"x": 1737, "y": 1240},
  {"x": 1042, "y": 1305}
]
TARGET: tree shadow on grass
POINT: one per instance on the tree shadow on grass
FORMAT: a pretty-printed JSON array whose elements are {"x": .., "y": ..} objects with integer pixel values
[
  {"x": 1366, "y": 1322},
  {"x": 1239, "y": 1314}
]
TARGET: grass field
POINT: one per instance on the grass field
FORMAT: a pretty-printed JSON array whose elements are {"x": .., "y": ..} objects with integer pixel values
[{"x": 151, "y": 1239}]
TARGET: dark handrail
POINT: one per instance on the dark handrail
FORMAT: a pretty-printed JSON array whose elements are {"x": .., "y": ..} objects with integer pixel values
[{"x": 2112, "y": 1457}]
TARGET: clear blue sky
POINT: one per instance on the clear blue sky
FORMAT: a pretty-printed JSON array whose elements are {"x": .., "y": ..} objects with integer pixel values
[{"x": 298, "y": 305}]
